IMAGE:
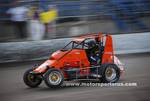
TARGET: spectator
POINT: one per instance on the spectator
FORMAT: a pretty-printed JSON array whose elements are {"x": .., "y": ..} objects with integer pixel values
[
  {"x": 19, "y": 17},
  {"x": 35, "y": 28},
  {"x": 48, "y": 18}
]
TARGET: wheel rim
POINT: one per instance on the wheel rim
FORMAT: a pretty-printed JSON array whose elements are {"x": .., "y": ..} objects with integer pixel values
[
  {"x": 110, "y": 74},
  {"x": 55, "y": 78},
  {"x": 32, "y": 78}
]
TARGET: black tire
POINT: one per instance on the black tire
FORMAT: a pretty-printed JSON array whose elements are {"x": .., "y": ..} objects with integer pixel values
[
  {"x": 103, "y": 72},
  {"x": 32, "y": 80},
  {"x": 48, "y": 78}
]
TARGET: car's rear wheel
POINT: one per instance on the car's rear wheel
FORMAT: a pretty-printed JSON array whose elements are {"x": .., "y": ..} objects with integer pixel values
[
  {"x": 110, "y": 73},
  {"x": 54, "y": 78},
  {"x": 32, "y": 80}
]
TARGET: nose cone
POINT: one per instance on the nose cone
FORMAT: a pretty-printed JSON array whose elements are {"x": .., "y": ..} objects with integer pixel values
[{"x": 42, "y": 68}]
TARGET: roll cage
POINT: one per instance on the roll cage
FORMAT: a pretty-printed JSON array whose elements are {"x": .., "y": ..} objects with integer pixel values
[
  {"x": 77, "y": 45},
  {"x": 105, "y": 45}
]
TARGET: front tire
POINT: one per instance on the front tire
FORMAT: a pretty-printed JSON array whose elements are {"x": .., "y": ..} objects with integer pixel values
[
  {"x": 54, "y": 78},
  {"x": 32, "y": 80}
]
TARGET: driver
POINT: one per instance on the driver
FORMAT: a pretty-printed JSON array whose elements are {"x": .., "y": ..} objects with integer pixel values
[{"x": 94, "y": 53}]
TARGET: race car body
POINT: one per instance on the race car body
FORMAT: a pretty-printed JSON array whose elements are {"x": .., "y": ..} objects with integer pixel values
[{"x": 85, "y": 57}]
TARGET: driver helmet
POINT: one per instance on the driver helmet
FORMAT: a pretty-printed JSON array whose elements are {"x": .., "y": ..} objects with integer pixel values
[{"x": 91, "y": 43}]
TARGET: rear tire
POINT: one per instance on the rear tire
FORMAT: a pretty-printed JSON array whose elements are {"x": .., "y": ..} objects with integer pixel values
[
  {"x": 110, "y": 73},
  {"x": 54, "y": 78},
  {"x": 31, "y": 80}
]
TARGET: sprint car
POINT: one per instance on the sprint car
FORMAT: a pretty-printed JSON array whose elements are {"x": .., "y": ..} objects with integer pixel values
[{"x": 85, "y": 57}]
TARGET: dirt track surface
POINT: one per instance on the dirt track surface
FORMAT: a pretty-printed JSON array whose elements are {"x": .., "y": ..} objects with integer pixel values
[{"x": 12, "y": 87}]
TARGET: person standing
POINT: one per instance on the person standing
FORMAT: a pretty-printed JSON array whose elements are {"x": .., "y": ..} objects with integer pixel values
[
  {"x": 19, "y": 17},
  {"x": 35, "y": 28},
  {"x": 48, "y": 16}
]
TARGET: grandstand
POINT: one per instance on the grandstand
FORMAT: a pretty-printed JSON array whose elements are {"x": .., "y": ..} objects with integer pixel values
[{"x": 84, "y": 8}]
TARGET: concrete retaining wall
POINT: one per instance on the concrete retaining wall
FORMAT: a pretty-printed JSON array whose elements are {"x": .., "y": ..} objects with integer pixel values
[{"x": 35, "y": 50}]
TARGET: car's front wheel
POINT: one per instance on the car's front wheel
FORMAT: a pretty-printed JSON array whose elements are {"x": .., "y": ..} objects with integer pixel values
[
  {"x": 32, "y": 80},
  {"x": 54, "y": 78}
]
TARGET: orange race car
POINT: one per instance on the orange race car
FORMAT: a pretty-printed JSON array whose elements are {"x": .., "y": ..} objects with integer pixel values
[{"x": 85, "y": 57}]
